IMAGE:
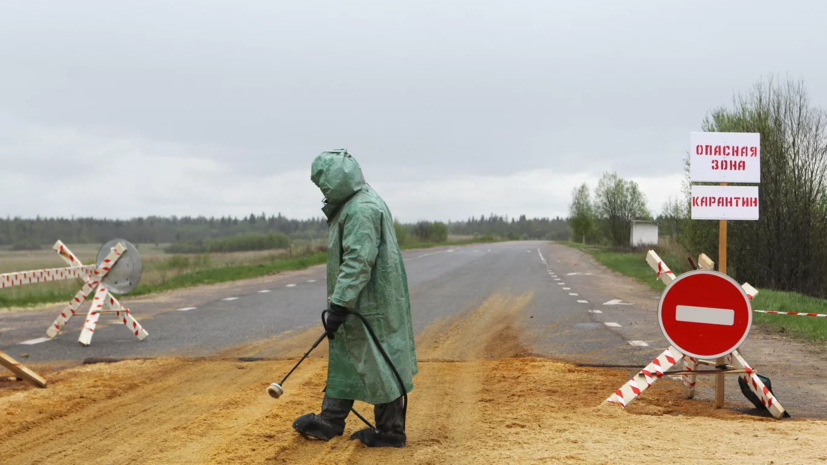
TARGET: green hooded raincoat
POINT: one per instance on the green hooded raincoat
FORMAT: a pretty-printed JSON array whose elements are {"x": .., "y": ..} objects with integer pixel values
[{"x": 365, "y": 274}]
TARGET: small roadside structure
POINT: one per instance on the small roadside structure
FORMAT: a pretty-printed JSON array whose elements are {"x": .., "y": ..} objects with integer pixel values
[{"x": 643, "y": 233}]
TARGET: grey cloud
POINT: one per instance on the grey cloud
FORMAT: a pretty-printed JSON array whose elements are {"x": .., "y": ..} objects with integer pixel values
[{"x": 420, "y": 90}]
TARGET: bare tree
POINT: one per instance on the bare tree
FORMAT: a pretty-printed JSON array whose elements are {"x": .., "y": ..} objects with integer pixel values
[{"x": 672, "y": 214}]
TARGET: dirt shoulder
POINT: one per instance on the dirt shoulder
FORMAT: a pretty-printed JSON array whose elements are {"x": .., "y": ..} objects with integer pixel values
[{"x": 468, "y": 406}]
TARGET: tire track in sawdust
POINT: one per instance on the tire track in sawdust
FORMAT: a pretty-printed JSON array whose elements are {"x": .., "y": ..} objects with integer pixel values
[{"x": 444, "y": 405}]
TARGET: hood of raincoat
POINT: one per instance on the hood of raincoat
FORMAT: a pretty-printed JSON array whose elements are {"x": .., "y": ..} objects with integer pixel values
[{"x": 338, "y": 175}]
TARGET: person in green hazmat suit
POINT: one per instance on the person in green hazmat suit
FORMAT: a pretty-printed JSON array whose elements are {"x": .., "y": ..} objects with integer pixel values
[{"x": 365, "y": 275}]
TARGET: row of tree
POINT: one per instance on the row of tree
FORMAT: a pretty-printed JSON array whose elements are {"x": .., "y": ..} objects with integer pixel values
[
  {"x": 33, "y": 233},
  {"x": 607, "y": 217},
  {"x": 786, "y": 248},
  {"x": 514, "y": 228},
  {"x": 195, "y": 233}
]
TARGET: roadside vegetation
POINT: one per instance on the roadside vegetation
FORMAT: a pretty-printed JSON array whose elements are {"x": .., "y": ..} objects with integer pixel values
[
  {"x": 241, "y": 243},
  {"x": 632, "y": 263},
  {"x": 164, "y": 272},
  {"x": 784, "y": 253}
]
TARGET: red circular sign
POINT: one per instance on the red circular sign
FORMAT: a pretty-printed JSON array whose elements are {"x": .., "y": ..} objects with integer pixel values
[{"x": 705, "y": 314}]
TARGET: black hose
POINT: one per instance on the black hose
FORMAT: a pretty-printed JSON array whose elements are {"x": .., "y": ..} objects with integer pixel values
[
  {"x": 315, "y": 344},
  {"x": 384, "y": 355}
]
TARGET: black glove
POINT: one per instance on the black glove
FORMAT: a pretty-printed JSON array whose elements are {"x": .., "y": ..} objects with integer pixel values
[{"x": 335, "y": 318}]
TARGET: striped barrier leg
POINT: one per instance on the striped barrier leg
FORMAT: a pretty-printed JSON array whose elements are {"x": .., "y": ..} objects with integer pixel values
[
  {"x": 92, "y": 281},
  {"x": 126, "y": 318},
  {"x": 71, "y": 308},
  {"x": 92, "y": 318},
  {"x": 645, "y": 378},
  {"x": 689, "y": 364},
  {"x": 758, "y": 387},
  {"x": 66, "y": 254}
]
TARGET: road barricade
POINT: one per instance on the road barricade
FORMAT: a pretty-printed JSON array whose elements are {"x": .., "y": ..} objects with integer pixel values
[
  {"x": 94, "y": 277},
  {"x": 706, "y": 316}
]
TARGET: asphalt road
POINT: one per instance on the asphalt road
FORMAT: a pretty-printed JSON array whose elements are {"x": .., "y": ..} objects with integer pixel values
[
  {"x": 558, "y": 301},
  {"x": 445, "y": 281}
]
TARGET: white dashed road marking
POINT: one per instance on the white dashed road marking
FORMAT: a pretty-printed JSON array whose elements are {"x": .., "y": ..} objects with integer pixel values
[
  {"x": 186, "y": 309},
  {"x": 566, "y": 288},
  {"x": 579, "y": 274},
  {"x": 32, "y": 342},
  {"x": 582, "y": 301},
  {"x": 311, "y": 280},
  {"x": 561, "y": 284},
  {"x": 290, "y": 285},
  {"x": 639, "y": 343},
  {"x": 617, "y": 302},
  {"x": 264, "y": 291},
  {"x": 612, "y": 324},
  {"x": 230, "y": 298},
  {"x": 426, "y": 254},
  {"x": 595, "y": 311},
  {"x": 572, "y": 293}
]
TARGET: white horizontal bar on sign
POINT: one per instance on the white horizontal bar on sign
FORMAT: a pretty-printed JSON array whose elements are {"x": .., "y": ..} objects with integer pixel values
[
  {"x": 725, "y": 202},
  {"x": 705, "y": 315}
]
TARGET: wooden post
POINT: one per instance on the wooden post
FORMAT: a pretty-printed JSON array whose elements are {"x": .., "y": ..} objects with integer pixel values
[
  {"x": 722, "y": 243},
  {"x": 719, "y": 379},
  {"x": 719, "y": 385},
  {"x": 21, "y": 371}
]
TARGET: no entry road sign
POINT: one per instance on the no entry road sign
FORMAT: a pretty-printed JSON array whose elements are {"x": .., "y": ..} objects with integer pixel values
[{"x": 705, "y": 314}]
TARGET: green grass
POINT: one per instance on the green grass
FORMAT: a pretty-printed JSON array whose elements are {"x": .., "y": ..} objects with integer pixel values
[
  {"x": 633, "y": 264},
  {"x": 215, "y": 275},
  {"x": 231, "y": 273},
  {"x": 804, "y": 327}
]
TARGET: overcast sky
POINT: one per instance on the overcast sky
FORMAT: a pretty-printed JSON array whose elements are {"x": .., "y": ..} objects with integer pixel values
[{"x": 453, "y": 108}]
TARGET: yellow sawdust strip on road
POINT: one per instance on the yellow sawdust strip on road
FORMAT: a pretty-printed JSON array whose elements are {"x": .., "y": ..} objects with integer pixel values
[{"x": 472, "y": 409}]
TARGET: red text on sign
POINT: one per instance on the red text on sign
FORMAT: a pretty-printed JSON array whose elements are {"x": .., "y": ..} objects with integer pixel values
[
  {"x": 731, "y": 165},
  {"x": 745, "y": 202},
  {"x": 726, "y": 150}
]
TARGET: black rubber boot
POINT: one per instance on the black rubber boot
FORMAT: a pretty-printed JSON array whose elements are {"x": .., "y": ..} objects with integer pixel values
[
  {"x": 327, "y": 425},
  {"x": 390, "y": 426}
]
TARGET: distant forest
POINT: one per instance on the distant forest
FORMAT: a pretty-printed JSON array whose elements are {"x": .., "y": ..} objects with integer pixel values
[
  {"x": 519, "y": 228},
  {"x": 22, "y": 233}
]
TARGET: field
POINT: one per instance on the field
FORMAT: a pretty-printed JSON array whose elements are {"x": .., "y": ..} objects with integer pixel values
[
  {"x": 163, "y": 272},
  {"x": 633, "y": 264}
]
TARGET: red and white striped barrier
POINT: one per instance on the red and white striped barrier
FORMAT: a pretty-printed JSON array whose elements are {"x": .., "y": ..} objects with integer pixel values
[
  {"x": 92, "y": 276},
  {"x": 92, "y": 281},
  {"x": 671, "y": 356},
  {"x": 757, "y": 386},
  {"x": 44, "y": 276},
  {"x": 817, "y": 315},
  {"x": 689, "y": 364},
  {"x": 646, "y": 377}
]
